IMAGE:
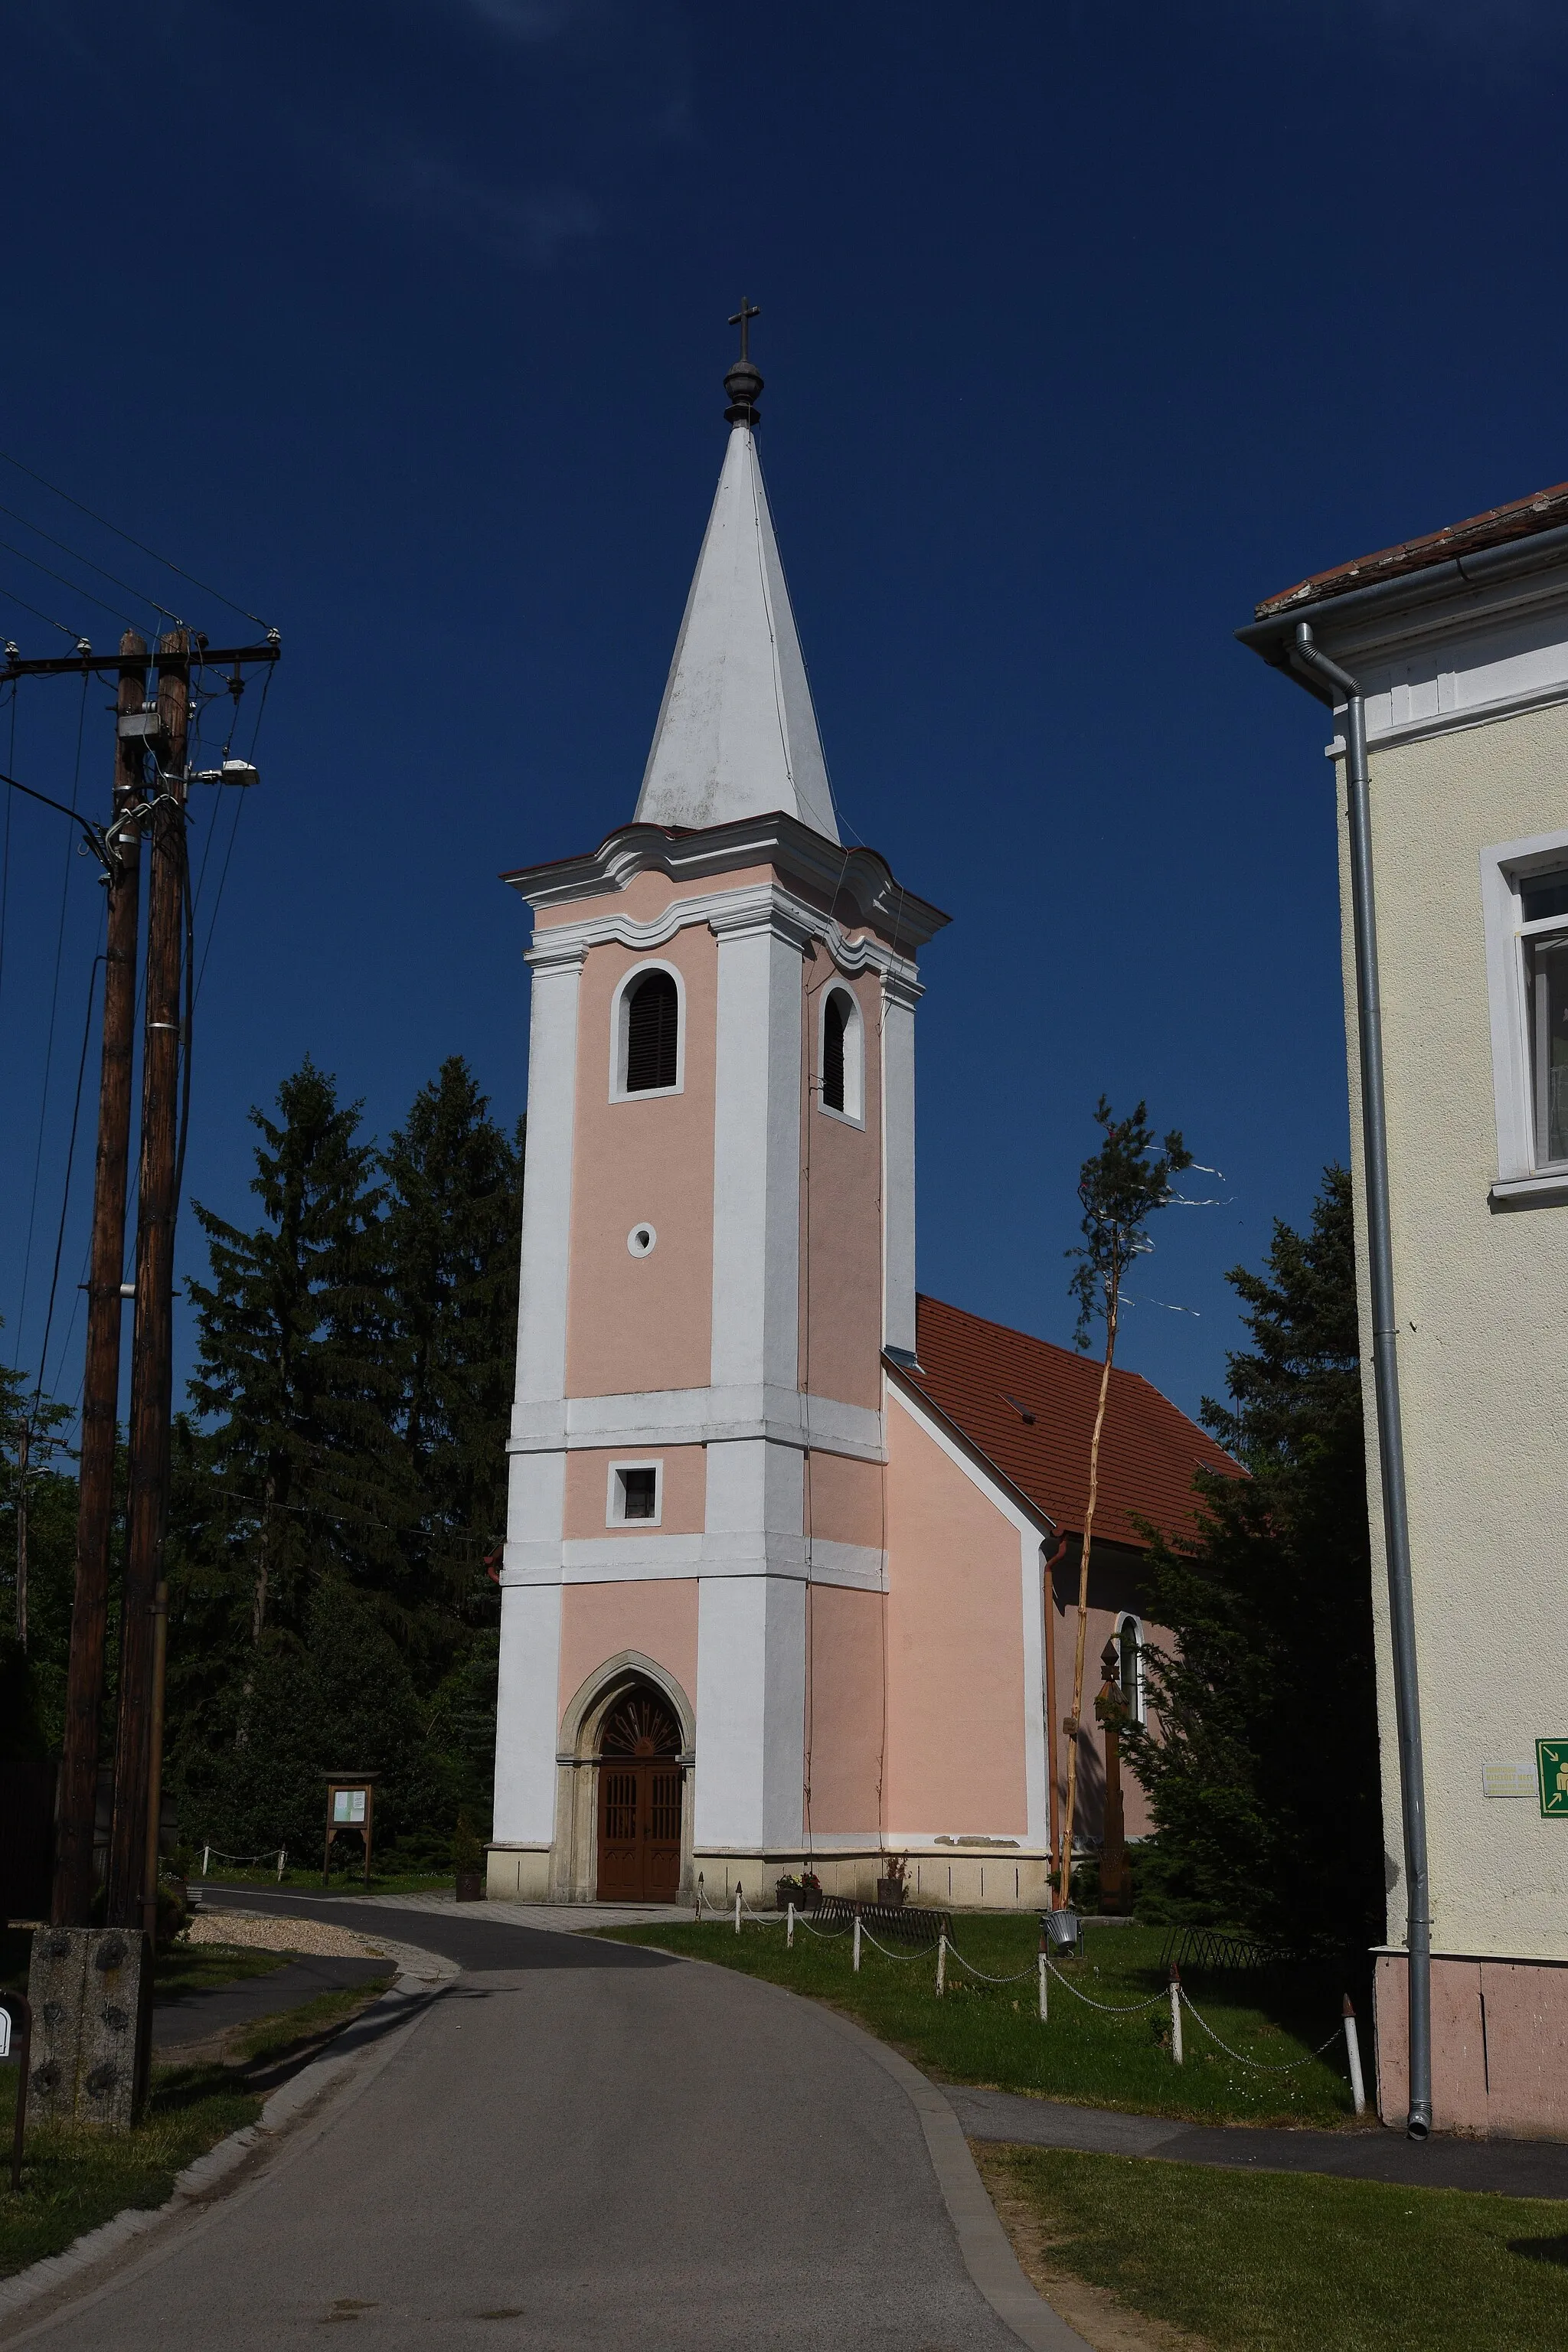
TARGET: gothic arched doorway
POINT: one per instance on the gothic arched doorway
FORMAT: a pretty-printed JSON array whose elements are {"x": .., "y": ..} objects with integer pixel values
[{"x": 640, "y": 1781}]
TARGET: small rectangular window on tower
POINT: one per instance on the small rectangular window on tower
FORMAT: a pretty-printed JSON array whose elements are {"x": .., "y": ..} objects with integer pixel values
[{"x": 634, "y": 1493}]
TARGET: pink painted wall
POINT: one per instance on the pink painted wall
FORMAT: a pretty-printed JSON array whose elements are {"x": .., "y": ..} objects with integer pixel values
[
  {"x": 599, "y": 1620},
  {"x": 841, "y": 1213},
  {"x": 845, "y": 1709},
  {"x": 844, "y": 1499},
  {"x": 635, "y": 1324},
  {"x": 685, "y": 1491},
  {"x": 955, "y": 1649},
  {"x": 1113, "y": 1593},
  {"x": 1500, "y": 2045}
]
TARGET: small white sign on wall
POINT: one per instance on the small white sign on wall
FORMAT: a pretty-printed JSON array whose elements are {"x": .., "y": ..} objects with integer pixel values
[{"x": 1508, "y": 1779}]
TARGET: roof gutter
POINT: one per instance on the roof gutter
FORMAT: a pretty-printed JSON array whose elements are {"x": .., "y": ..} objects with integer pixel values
[
  {"x": 1326, "y": 679},
  {"x": 1274, "y": 636}
]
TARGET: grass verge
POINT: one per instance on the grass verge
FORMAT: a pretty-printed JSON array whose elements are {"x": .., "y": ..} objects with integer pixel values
[
  {"x": 1287, "y": 2262},
  {"x": 992, "y": 2035},
  {"x": 73, "y": 2180},
  {"x": 346, "y": 1886}
]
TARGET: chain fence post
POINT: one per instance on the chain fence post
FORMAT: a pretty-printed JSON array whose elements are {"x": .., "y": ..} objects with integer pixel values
[
  {"x": 1044, "y": 2009},
  {"x": 1176, "y": 2014},
  {"x": 856, "y": 1963},
  {"x": 206, "y": 1850},
  {"x": 940, "y": 1962},
  {"x": 737, "y": 1906},
  {"x": 1352, "y": 2052},
  {"x": 789, "y": 1930}
]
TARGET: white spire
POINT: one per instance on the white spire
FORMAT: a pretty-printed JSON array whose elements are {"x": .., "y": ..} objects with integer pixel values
[{"x": 737, "y": 733}]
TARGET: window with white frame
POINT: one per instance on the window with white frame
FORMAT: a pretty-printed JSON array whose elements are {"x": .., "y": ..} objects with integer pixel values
[
  {"x": 647, "y": 1043},
  {"x": 635, "y": 1498},
  {"x": 1130, "y": 1655},
  {"x": 1544, "y": 945},
  {"x": 843, "y": 1055},
  {"x": 1524, "y": 893}
]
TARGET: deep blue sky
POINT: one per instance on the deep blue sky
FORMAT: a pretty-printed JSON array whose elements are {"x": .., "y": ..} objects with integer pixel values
[{"x": 1084, "y": 325}]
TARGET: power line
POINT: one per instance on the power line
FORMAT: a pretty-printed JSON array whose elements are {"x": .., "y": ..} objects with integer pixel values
[
  {"x": 38, "y": 614},
  {"x": 5, "y": 852},
  {"x": 50, "y": 1044},
  {"x": 76, "y": 556},
  {"x": 75, "y": 587},
  {"x": 140, "y": 545},
  {"x": 66, "y": 1189}
]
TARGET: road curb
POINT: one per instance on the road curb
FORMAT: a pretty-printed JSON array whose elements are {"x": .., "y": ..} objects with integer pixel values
[
  {"x": 423, "y": 1977},
  {"x": 987, "y": 2249},
  {"x": 984, "y": 2244}
]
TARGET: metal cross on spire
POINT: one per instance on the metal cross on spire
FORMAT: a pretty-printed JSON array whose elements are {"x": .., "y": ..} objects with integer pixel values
[{"x": 742, "y": 319}]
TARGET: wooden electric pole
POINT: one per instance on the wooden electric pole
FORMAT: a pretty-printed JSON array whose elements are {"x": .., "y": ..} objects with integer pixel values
[
  {"x": 77, "y": 1804},
  {"x": 131, "y": 1899}
]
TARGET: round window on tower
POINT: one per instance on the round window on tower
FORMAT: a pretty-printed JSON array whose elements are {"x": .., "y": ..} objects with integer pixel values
[{"x": 640, "y": 1240}]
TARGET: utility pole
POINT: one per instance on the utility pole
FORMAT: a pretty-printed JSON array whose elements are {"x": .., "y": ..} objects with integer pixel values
[
  {"x": 132, "y": 1900},
  {"x": 23, "y": 1450},
  {"x": 77, "y": 1804}
]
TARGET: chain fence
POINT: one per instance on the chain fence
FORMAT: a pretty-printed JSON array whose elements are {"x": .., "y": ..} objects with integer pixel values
[{"x": 946, "y": 1950}]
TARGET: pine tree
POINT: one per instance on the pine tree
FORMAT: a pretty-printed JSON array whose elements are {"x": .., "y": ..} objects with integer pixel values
[
  {"x": 295, "y": 1378},
  {"x": 453, "y": 1229},
  {"x": 1262, "y": 1767},
  {"x": 37, "y": 1525}
]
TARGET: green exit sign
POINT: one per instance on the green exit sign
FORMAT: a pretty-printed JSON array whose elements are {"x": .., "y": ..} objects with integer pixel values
[{"x": 1551, "y": 1770}]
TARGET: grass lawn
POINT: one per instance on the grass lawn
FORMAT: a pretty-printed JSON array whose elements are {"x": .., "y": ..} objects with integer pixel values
[
  {"x": 73, "y": 2180},
  {"x": 1281, "y": 2262},
  {"x": 993, "y": 2035},
  {"x": 345, "y": 1884}
]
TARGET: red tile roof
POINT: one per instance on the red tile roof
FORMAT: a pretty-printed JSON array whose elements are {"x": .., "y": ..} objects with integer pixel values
[
  {"x": 979, "y": 1374},
  {"x": 1543, "y": 510}
]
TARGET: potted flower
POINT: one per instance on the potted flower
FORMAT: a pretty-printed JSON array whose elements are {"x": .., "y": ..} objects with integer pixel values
[
  {"x": 468, "y": 1863},
  {"x": 804, "y": 1892},
  {"x": 893, "y": 1888}
]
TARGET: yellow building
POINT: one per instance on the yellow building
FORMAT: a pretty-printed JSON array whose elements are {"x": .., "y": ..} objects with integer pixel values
[{"x": 1446, "y": 663}]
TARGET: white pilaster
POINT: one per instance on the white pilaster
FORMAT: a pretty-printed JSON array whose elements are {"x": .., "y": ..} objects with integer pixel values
[
  {"x": 900, "y": 998},
  {"x": 756, "y": 1149},
  {"x": 751, "y": 1712},
  {"x": 526, "y": 1712},
  {"x": 547, "y": 1190}
]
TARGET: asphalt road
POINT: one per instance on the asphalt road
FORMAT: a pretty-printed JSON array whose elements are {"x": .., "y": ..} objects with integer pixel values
[
  {"x": 587, "y": 2145},
  {"x": 181, "y": 2019}
]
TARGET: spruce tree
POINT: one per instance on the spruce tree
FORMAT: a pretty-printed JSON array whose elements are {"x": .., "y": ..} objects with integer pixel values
[
  {"x": 1262, "y": 1765},
  {"x": 453, "y": 1230},
  {"x": 296, "y": 1381}
]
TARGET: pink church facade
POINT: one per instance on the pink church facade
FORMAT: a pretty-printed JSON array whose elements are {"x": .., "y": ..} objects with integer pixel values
[{"x": 768, "y": 1603}]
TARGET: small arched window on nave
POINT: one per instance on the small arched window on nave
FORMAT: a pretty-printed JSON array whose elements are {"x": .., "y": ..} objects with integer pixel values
[{"x": 652, "y": 1033}]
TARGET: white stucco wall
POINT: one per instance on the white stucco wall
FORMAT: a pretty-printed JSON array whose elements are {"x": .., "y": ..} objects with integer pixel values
[{"x": 1481, "y": 1295}]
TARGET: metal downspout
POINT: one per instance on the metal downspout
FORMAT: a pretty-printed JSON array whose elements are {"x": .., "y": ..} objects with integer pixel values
[{"x": 1385, "y": 1376}]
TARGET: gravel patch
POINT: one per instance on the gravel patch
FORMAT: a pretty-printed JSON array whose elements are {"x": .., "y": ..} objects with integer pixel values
[{"x": 272, "y": 1934}]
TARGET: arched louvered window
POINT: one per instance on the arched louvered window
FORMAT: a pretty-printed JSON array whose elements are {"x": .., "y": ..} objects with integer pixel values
[
  {"x": 842, "y": 1074},
  {"x": 652, "y": 1033},
  {"x": 833, "y": 1052}
]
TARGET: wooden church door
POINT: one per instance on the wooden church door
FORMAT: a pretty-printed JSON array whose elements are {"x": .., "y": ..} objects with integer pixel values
[{"x": 640, "y": 1786}]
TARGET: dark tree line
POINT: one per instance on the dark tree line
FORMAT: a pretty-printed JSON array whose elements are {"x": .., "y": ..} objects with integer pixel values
[
  {"x": 1263, "y": 1771},
  {"x": 339, "y": 1483}
]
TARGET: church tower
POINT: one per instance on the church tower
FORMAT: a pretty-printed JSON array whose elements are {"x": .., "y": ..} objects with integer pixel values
[{"x": 718, "y": 1268}]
